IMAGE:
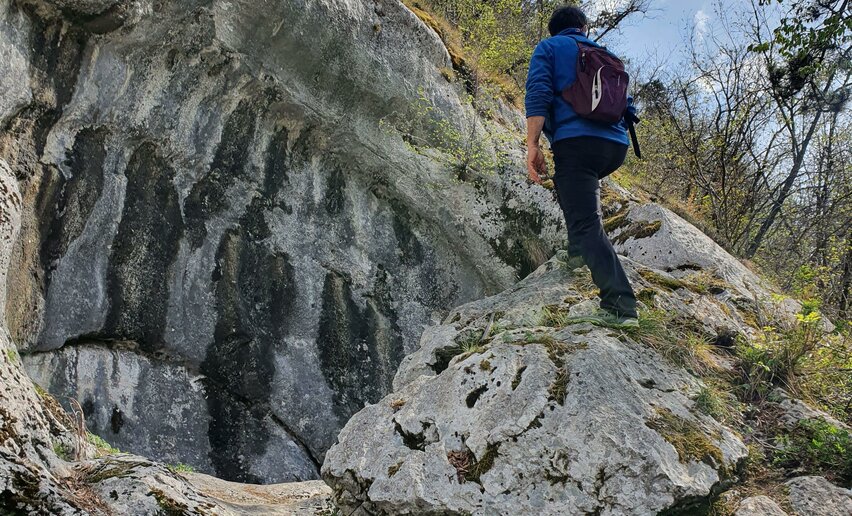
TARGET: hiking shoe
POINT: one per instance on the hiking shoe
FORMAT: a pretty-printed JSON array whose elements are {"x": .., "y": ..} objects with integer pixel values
[
  {"x": 603, "y": 317},
  {"x": 575, "y": 262},
  {"x": 571, "y": 262}
]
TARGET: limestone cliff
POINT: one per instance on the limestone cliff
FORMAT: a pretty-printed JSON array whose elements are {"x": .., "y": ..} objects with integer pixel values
[{"x": 227, "y": 246}]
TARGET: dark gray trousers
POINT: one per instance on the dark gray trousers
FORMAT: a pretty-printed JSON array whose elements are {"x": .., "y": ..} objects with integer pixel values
[{"x": 580, "y": 165}]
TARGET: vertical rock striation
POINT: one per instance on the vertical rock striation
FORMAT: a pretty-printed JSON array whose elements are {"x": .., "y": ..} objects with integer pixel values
[{"x": 225, "y": 253}]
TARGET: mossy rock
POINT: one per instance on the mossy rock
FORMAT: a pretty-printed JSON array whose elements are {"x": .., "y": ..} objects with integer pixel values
[
  {"x": 687, "y": 438},
  {"x": 638, "y": 230}
]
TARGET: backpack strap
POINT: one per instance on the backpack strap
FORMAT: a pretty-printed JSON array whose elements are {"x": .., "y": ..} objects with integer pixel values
[{"x": 632, "y": 120}]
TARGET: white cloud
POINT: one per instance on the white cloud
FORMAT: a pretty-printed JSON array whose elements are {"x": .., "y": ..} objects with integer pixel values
[{"x": 701, "y": 20}]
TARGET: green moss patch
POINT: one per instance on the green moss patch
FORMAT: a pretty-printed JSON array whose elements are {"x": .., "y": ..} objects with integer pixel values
[
  {"x": 617, "y": 221},
  {"x": 168, "y": 506},
  {"x": 638, "y": 230},
  {"x": 181, "y": 468},
  {"x": 690, "y": 442},
  {"x": 668, "y": 283},
  {"x": 646, "y": 295},
  {"x": 483, "y": 465},
  {"x": 104, "y": 448}
]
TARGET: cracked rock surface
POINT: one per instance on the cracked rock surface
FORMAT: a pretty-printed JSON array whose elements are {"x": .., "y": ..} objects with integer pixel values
[
  {"x": 816, "y": 496},
  {"x": 222, "y": 227},
  {"x": 534, "y": 419}
]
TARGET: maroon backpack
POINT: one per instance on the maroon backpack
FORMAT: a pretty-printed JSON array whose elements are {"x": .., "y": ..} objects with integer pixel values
[{"x": 600, "y": 91}]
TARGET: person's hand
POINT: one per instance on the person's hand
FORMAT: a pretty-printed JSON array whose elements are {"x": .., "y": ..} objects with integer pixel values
[{"x": 536, "y": 166}]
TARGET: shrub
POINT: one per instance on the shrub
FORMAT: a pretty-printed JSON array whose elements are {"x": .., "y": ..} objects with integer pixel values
[
  {"x": 818, "y": 447},
  {"x": 467, "y": 147},
  {"x": 776, "y": 357},
  {"x": 809, "y": 363}
]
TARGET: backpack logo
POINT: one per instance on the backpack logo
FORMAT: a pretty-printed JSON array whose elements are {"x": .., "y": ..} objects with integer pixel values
[
  {"x": 600, "y": 91},
  {"x": 596, "y": 90}
]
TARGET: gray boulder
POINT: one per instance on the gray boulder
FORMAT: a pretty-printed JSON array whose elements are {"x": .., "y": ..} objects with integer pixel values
[
  {"x": 816, "y": 496},
  {"x": 759, "y": 505},
  {"x": 657, "y": 237},
  {"x": 531, "y": 419},
  {"x": 794, "y": 411}
]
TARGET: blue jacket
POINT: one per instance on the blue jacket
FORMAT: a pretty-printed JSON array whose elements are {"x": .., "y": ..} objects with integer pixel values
[{"x": 553, "y": 67}]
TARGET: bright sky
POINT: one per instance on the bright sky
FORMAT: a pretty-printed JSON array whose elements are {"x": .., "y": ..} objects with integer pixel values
[{"x": 660, "y": 36}]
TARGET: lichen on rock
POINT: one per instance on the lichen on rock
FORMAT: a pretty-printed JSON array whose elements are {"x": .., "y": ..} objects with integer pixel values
[{"x": 553, "y": 411}]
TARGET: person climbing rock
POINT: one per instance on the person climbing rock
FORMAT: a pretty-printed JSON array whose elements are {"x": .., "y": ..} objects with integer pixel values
[{"x": 577, "y": 95}]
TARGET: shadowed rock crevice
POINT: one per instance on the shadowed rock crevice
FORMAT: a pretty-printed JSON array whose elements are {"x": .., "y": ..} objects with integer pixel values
[
  {"x": 231, "y": 163},
  {"x": 519, "y": 244},
  {"x": 121, "y": 363},
  {"x": 144, "y": 250},
  {"x": 255, "y": 289},
  {"x": 72, "y": 200},
  {"x": 359, "y": 348},
  {"x": 57, "y": 52}
]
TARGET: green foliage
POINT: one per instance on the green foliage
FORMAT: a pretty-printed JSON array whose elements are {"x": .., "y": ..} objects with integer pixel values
[
  {"x": 826, "y": 375},
  {"x": 500, "y": 35},
  {"x": 12, "y": 356},
  {"x": 817, "y": 447},
  {"x": 104, "y": 448},
  {"x": 62, "y": 451},
  {"x": 471, "y": 342},
  {"x": 714, "y": 402},
  {"x": 181, "y": 468},
  {"x": 810, "y": 25},
  {"x": 813, "y": 365},
  {"x": 467, "y": 147},
  {"x": 468, "y": 342},
  {"x": 775, "y": 357},
  {"x": 679, "y": 340}
]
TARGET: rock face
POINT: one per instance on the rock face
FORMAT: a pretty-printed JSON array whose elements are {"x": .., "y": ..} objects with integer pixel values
[
  {"x": 759, "y": 506},
  {"x": 220, "y": 232},
  {"x": 37, "y": 438},
  {"x": 816, "y": 496},
  {"x": 510, "y": 408}
]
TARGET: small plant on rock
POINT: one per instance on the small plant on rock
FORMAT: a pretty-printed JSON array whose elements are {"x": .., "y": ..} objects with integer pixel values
[
  {"x": 777, "y": 357},
  {"x": 181, "y": 468},
  {"x": 104, "y": 448},
  {"x": 817, "y": 447}
]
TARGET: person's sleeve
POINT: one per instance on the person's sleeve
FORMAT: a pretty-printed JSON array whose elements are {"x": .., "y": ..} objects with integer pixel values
[{"x": 539, "y": 82}]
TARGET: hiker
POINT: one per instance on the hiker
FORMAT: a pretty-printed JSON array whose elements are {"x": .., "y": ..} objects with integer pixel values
[{"x": 585, "y": 148}]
